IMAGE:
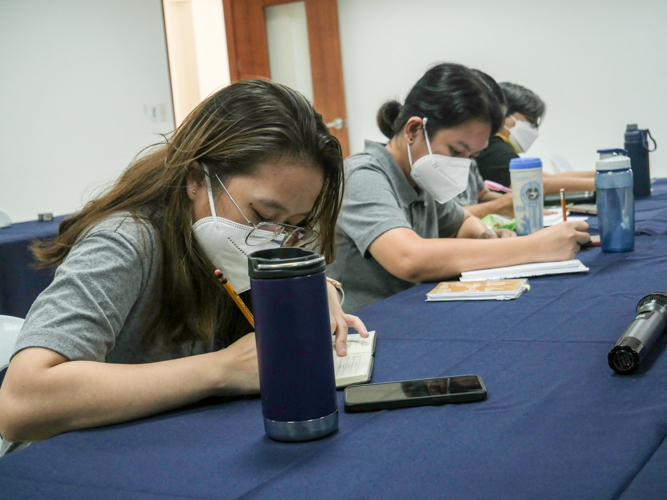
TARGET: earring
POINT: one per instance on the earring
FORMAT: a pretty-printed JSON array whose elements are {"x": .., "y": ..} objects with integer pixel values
[{"x": 194, "y": 192}]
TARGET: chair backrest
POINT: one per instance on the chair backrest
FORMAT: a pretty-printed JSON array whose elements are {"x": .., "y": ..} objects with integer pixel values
[
  {"x": 9, "y": 332},
  {"x": 555, "y": 163}
]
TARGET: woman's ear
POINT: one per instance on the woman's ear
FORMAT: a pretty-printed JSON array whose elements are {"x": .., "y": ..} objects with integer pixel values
[
  {"x": 413, "y": 129},
  {"x": 195, "y": 180}
]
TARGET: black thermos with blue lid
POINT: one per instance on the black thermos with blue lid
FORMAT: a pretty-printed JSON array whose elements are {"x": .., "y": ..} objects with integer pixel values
[
  {"x": 636, "y": 143},
  {"x": 294, "y": 350}
]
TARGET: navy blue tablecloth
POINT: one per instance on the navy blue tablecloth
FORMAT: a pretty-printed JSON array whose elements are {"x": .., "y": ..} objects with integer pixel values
[
  {"x": 650, "y": 482},
  {"x": 20, "y": 283},
  {"x": 558, "y": 423}
]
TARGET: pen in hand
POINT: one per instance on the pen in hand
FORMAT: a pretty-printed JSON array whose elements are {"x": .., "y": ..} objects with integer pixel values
[{"x": 235, "y": 296}]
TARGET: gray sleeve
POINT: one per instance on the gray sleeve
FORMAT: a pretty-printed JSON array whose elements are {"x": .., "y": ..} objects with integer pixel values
[
  {"x": 370, "y": 208},
  {"x": 477, "y": 181},
  {"x": 450, "y": 218},
  {"x": 475, "y": 186},
  {"x": 80, "y": 314}
]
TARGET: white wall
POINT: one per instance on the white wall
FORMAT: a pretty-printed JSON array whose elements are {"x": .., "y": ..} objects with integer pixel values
[
  {"x": 84, "y": 86},
  {"x": 598, "y": 64}
]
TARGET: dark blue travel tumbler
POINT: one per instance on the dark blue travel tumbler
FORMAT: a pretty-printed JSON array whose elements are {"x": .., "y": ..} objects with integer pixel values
[
  {"x": 294, "y": 350},
  {"x": 636, "y": 143}
]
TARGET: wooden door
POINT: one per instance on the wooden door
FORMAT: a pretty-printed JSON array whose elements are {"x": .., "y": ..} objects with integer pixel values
[{"x": 247, "y": 44}]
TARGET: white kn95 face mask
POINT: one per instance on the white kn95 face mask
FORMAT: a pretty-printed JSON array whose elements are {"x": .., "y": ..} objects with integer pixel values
[
  {"x": 522, "y": 135},
  {"x": 224, "y": 243},
  {"x": 443, "y": 177}
]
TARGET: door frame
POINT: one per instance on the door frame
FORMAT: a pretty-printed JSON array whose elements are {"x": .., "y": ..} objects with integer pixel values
[{"x": 248, "y": 51}]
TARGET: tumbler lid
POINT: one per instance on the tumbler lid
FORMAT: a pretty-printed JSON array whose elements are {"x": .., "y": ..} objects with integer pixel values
[
  {"x": 608, "y": 153},
  {"x": 284, "y": 262},
  {"x": 613, "y": 163},
  {"x": 525, "y": 163}
]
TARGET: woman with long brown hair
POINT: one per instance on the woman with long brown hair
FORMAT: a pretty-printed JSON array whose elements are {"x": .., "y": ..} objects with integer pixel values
[{"x": 134, "y": 322}]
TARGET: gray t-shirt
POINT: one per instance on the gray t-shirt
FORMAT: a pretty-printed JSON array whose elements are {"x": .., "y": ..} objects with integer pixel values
[
  {"x": 475, "y": 186},
  {"x": 102, "y": 298},
  {"x": 378, "y": 198}
]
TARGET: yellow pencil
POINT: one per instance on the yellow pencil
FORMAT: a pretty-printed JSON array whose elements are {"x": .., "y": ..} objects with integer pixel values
[
  {"x": 562, "y": 203},
  {"x": 235, "y": 296}
]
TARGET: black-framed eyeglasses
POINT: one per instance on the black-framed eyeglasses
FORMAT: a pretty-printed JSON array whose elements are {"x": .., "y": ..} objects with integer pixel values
[{"x": 284, "y": 235}]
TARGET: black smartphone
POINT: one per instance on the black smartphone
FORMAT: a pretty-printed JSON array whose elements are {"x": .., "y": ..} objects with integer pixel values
[
  {"x": 582, "y": 197},
  {"x": 422, "y": 392}
]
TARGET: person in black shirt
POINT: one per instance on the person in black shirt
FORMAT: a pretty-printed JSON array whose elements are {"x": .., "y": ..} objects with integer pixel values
[
  {"x": 494, "y": 162},
  {"x": 525, "y": 111}
]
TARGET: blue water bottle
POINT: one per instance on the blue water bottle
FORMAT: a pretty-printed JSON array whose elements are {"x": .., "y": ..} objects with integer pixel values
[
  {"x": 294, "y": 349},
  {"x": 615, "y": 201},
  {"x": 636, "y": 143}
]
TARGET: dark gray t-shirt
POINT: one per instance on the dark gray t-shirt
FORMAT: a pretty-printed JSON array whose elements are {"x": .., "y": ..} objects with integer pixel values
[
  {"x": 102, "y": 298},
  {"x": 378, "y": 198}
]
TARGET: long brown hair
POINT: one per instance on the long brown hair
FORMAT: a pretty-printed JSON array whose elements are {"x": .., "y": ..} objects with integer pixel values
[{"x": 232, "y": 132}]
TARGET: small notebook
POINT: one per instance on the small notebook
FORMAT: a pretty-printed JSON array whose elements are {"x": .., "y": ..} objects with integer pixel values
[
  {"x": 477, "y": 290},
  {"x": 357, "y": 366},
  {"x": 525, "y": 271}
]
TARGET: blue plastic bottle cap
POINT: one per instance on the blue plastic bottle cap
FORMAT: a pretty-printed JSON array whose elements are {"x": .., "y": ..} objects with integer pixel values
[{"x": 525, "y": 163}]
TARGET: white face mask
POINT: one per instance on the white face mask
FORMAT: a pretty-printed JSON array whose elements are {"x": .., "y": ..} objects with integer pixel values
[
  {"x": 223, "y": 242},
  {"x": 522, "y": 135},
  {"x": 443, "y": 177}
]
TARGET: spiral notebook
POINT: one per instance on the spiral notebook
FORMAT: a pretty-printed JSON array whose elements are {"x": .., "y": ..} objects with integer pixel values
[{"x": 357, "y": 366}]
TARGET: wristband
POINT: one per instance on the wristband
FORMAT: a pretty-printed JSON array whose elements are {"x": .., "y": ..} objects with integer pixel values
[{"x": 339, "y": 289}]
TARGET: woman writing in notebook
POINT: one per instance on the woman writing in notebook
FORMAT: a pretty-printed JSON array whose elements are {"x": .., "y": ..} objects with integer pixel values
[
  {"x": 399, "y": 224},
  {"x": 135, "y": 321}
]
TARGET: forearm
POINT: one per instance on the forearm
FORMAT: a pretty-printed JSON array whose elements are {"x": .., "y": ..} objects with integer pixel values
[
  {"x": 442, "y": 258},
  {"x": 488, "y": 195},
  {"x": 41, "y": 402},
  {"x": 554, "y": 183},
  {"x": 587, "y": 174},
  {"x": 472, "y": 227},
  {"x": 408, "y": 256},
  {"x": 501, "y": 205}
]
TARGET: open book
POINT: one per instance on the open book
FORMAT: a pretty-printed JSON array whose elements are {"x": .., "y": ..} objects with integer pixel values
[
  {"x": 525, "y": 271},
  {"x": 357, "y": 366},
  {"x": 478, "y": 290}
]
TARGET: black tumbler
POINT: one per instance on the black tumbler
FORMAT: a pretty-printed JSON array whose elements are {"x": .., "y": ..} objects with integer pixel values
[
  {"x": 294, "y": 350},
  {"x": 636, "y": 143}
]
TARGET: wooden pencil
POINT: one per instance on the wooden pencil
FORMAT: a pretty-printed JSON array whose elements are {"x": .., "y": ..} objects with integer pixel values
[{"x": 235, "y": 296}]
